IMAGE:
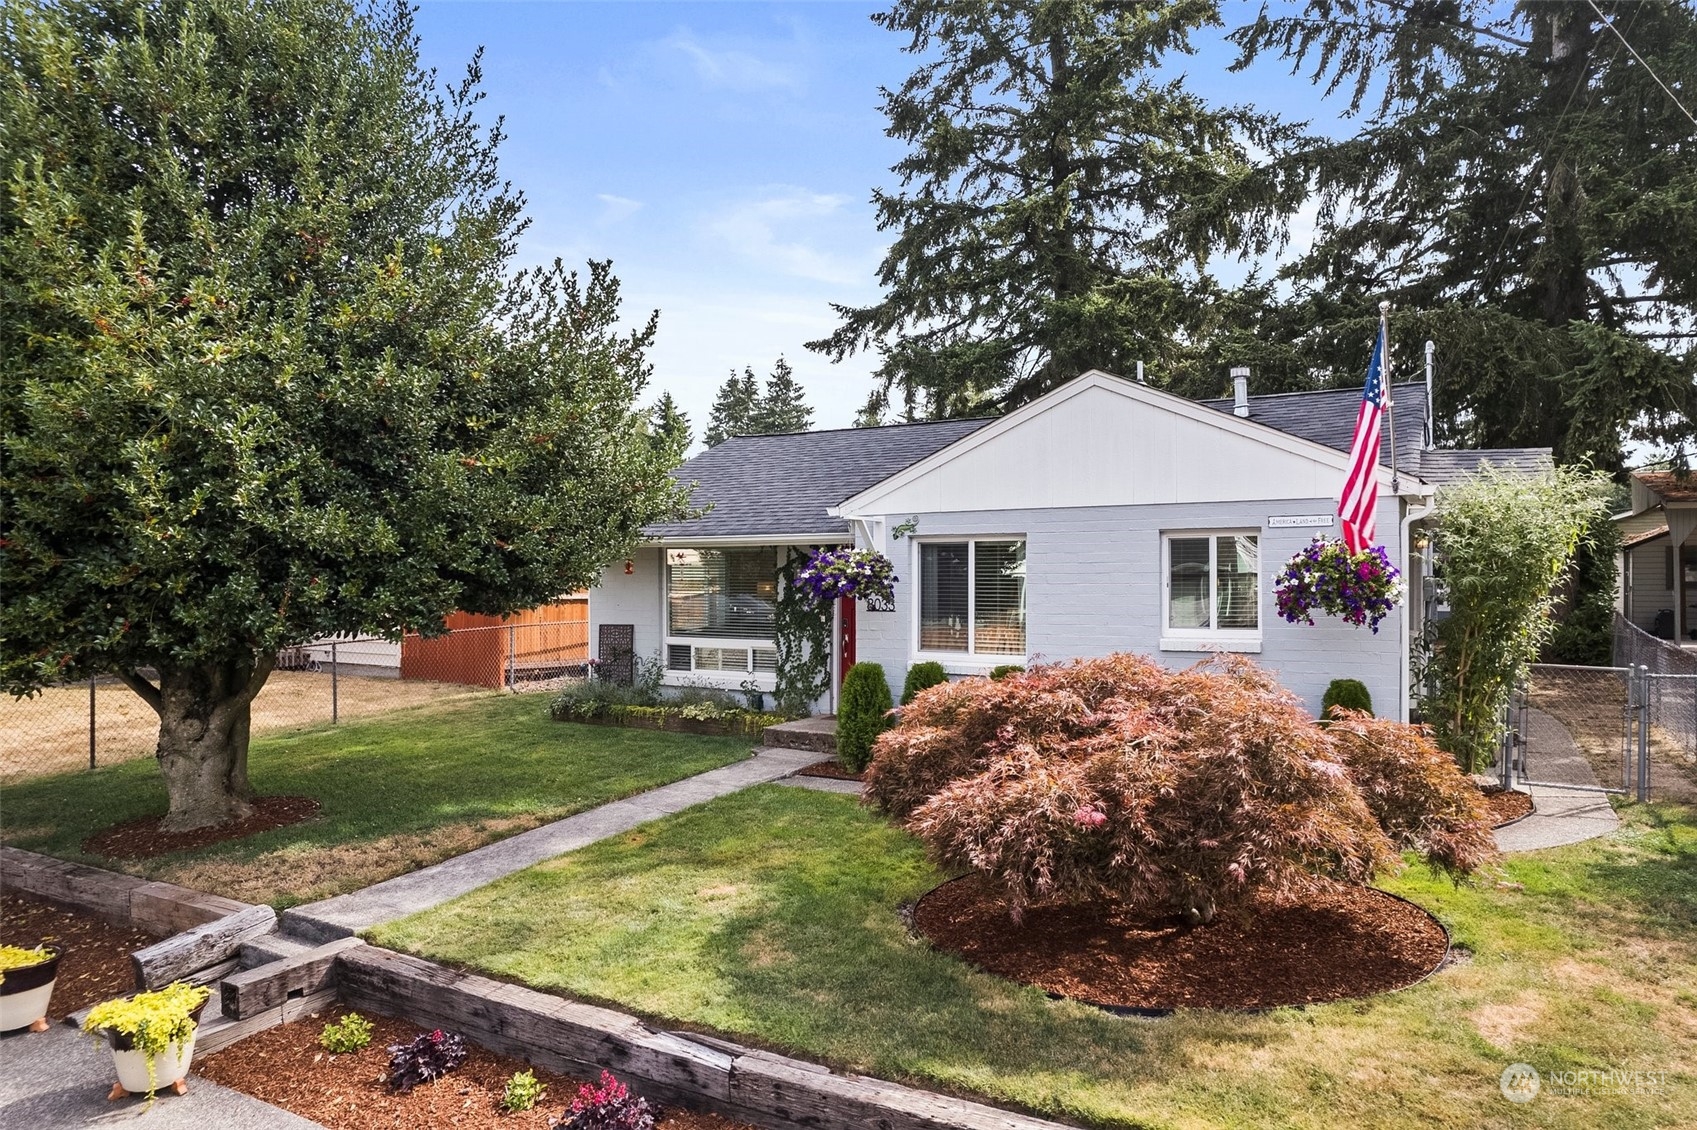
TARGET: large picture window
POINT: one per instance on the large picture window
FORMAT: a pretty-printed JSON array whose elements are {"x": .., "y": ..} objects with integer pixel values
[
  {"x": 972, "y": 597},
  {"x": 721, "y": 609},
  {"x": 1213, "y": 583}
]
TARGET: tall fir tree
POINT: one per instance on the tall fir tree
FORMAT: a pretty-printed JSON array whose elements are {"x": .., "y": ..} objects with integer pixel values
[
  {"x": 871, "y": 414},
  {"x": 783, "y": 404},
  {"x": 669, "y": 426},
  {"x": 733, "y": 408},
  {"x": 266, "y": 370},
  {"x": 1524, "y": 191},
  {"x": 1058, "y": 202}
]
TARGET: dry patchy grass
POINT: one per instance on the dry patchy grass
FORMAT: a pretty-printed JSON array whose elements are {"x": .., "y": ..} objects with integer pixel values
[{"x": 49, "y": 733}]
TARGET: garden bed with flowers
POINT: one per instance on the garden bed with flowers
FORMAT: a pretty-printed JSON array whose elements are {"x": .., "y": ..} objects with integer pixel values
[{"x": 287, "y": 1067}]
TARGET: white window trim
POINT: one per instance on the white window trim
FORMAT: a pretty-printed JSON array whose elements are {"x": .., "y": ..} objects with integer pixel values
[
  {"x": 725, "y": 680},
  {"x": 1247, "y": 640},
  {"x": 966, "y": 662}
]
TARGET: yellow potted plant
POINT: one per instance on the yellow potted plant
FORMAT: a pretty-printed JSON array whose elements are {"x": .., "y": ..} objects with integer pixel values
[
  {"x": 152, "y": 1037},
  {"x": 27, "y": 974}
]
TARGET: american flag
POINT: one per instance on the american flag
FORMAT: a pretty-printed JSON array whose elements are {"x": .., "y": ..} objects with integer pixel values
[{"x": 1360, "y": 495}]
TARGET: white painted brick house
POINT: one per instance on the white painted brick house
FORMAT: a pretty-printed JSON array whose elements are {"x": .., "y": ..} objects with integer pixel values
[{"x": 1104, "y": 516}]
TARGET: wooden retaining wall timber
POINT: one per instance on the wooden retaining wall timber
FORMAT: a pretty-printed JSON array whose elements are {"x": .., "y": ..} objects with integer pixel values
[
  {"x": 124, "y": 900},
  {"x": 571, "y": 1038}
]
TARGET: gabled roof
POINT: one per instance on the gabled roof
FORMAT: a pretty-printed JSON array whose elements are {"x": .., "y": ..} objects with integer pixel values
[
  {"x": 781, "y": 485},
  {"x": 1328, "y": 417},
  {"x": 1669, "y": 487}
]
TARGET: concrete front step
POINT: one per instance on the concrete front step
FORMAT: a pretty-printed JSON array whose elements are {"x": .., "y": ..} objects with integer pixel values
[{"x": 814, "y": 735}]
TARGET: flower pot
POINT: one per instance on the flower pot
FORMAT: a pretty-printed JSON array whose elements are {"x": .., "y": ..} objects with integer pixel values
[
  {"x": 169, "y": 1067},
  {"x": 25, "y": 992}
]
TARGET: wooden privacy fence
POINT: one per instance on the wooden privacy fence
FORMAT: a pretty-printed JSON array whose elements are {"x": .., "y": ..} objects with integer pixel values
[{"x": 488, "y": 651}]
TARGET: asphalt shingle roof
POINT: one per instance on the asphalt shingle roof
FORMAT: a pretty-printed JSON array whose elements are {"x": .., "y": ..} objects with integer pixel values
[
  {"x": 1329, "y": 418},
  {"x": 782, "y": 484}
]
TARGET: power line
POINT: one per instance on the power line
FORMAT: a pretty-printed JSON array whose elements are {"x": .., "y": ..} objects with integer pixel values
[{"x": 1674, "y": 98}]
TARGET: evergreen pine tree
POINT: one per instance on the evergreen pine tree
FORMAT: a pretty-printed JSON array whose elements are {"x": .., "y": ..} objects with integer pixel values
[
  {"x": 871, "y": 413},
  {"x": 733, "y": 408},
  {"x": 1524, "y": 192},
  {"x": 668, "y": 426},
  {"x": 1057, "y": 203},
  {"x": 783, "y": 406}
]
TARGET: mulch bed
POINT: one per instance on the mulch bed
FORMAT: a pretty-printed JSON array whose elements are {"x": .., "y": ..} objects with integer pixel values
[
  {"x": 142, "y": 839},
  {"x": 1506, "y": 805},
  {"x": 285, "y": 1066},
  {"x": 1350, "y": 943},
  {"x": 830, "y": 769},
  {"x": 96, "y": 966}
]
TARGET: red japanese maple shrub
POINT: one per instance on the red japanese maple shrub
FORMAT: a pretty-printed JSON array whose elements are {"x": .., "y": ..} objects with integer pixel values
[
  {"x": 1116, "y": 779},
  {"x": 1422, "y": 800}
]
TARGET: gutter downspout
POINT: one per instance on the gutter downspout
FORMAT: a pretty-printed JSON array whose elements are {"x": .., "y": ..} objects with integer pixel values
[{"x": 1410, "y": 516}]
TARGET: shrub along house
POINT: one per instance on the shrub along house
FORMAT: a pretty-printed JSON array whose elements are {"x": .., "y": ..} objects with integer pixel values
[{"x": 1105, "y": 516}]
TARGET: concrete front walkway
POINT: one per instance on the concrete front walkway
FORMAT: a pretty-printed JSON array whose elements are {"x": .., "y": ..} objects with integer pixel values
[
  {"x": 60, "y": 1077},
  {"x": 420, "y": 890},
  {"x": 1568, "y": 815}
]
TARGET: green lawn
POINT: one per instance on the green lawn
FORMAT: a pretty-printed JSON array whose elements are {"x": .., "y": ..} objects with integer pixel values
[
  {"x": 771, "y": 915},
  {"x": 397, "y": 793}
]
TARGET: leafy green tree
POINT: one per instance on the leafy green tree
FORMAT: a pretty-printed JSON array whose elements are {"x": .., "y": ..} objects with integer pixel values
[
  {"x": 265, "y": 373},
  {"x": 734, "y": 408},
  {"x": 669, "y": 425},
  {"x": 1524, "y": 191},
  {"x": 783, "y": 404},
  {"x": 1058, "y": 201},
  {"x": 1504, "y": 541}
]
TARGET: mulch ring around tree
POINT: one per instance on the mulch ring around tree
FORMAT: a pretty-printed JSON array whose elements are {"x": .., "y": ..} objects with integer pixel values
[
  {"x": 1506, "y": 805},
  {"x": 285, "y": 1066},
  {"x": 96, "y": 966},
  {"x": 143, "y": 839},
  {"x": 1352, "y": 942},
  {"x": 830, "y": 769}
]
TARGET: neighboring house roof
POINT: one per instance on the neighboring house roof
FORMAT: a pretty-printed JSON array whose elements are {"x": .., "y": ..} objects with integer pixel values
[
  {"x": 1632, "y": 541},
  {"x": 1669, "y": 487},
  {"x": 781, "y": 485}
]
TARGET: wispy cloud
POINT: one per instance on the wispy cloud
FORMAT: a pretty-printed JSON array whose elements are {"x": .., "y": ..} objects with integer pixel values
[
  {"x": 616, "y": 209},
  {"x": 726, "y": 66},
  {"x": 779, "y": 228}
]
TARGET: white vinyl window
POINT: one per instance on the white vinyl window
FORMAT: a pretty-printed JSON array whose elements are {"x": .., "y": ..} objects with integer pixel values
[
  {"x": 1212, "y": 589},
  {"x": 971, "y": 598},
  {"x": 720, "y": 611}
]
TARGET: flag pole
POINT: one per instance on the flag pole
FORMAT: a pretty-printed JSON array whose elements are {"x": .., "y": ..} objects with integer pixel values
[{"x": 1385, "y": 377}]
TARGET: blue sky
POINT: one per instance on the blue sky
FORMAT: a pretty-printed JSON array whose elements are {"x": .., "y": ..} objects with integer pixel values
[{"x": 723, "y": 156}]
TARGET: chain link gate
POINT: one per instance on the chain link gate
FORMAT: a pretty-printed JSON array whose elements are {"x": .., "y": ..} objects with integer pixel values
[{"x": 1583, "y": 729}]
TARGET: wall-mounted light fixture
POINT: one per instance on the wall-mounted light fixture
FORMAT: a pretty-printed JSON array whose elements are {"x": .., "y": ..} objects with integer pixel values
[{"x": 630, "y": 567}]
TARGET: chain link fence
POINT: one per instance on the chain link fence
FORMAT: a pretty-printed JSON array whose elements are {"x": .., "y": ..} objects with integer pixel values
[
  {"x": 324, "y": 683},
  {"x": 1669, "y": 674}
]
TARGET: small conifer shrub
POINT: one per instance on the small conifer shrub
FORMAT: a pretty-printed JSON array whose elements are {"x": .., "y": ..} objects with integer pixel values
[
  {"x": 921, "y": 676},
  {"x": 862, "y": 714}
]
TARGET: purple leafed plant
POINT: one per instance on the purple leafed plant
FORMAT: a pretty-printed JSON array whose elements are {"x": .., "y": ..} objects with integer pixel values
[
  {"x": 831, "y": 574},
  {"x": 608, "y": 1106},
  {"x": 429, "y": 1057},
  {"x": 1360, "y": 588}
]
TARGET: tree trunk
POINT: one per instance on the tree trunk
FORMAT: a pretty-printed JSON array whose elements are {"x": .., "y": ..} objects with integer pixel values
[
  {"x": 204, "y": 716},
  {"x": 1559, "y": 264}
]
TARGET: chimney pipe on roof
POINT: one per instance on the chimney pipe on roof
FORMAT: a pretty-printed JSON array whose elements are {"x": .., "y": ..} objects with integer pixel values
[{"x": 1240, "y": 391}]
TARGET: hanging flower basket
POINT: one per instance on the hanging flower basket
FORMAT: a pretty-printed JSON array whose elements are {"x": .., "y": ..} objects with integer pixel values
[
  {"x": 1360, "y": 588},
  {"x": 831, "y": 574}
]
